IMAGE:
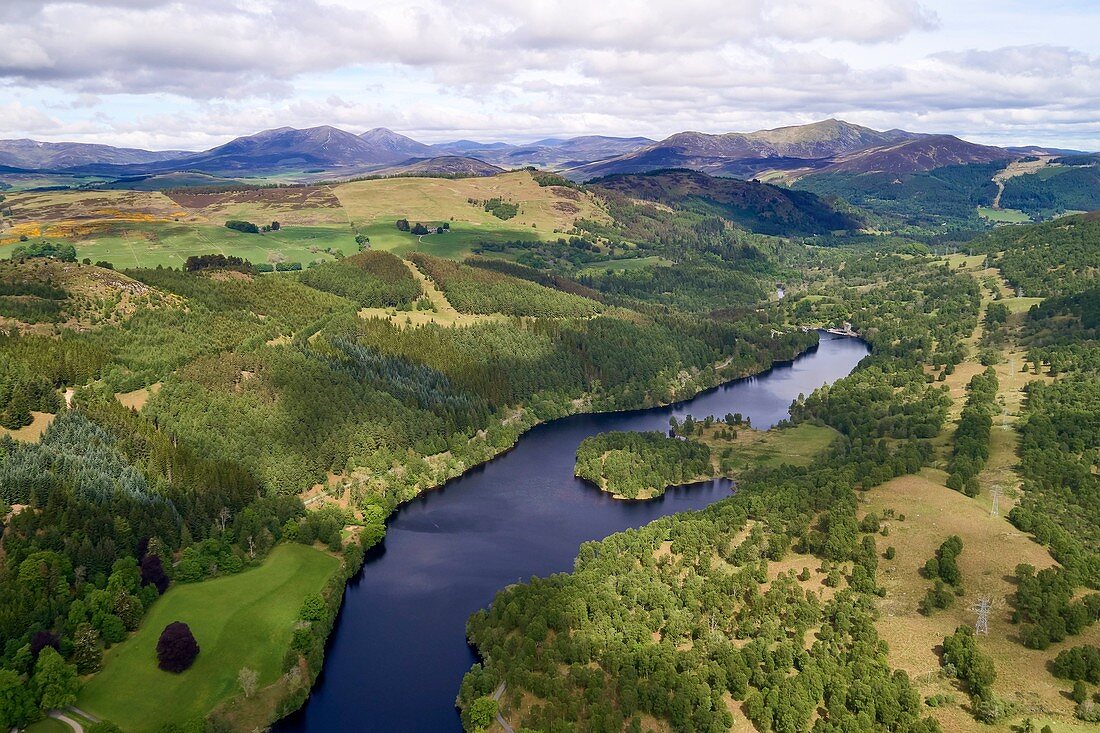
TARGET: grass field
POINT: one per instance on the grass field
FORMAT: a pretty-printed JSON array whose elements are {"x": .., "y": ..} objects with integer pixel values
[
  {"x": 239, "y": 621},
  {"x": 454, "y": 244},
  {"x": 623, "y": 265},
  {"x": 440, "y": 199},
  {"x": 31, "y": 433},
  {"x": 1020, "y": 305},
  {"x": 131, "y": 228},
  {"x": 991, "y": 550},
  {"x": 1003, "y": 216},
  {"x": 796, "y": 446},
  {"x": 170, "y": 244},
  {"x": 48, "y": 725}
]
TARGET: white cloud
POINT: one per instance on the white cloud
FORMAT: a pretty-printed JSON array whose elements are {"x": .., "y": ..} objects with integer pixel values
[
  {"x": 196, "y": 72},
  {"x": 17, "y": 116}
]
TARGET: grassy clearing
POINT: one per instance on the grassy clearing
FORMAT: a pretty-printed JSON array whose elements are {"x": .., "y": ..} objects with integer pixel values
[
  {"x": 33, "y": 432},
  {"x": 239, "y": 621},
  {"x": 442, "y": 314},
  {"x": 136, "y": 400},
  {"x": 1020, "y": 305},
  {"x": 991, "y": 550},
  {"x": 454, "y": 244},
  {"x": 622, "y": 265},
  {"x": 170, "y": 244},
  {"x": 796, "y": 446},
  {"x": 1003, "y": 216}
]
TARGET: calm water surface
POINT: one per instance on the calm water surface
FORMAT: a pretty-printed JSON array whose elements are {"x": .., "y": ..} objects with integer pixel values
[{"x": 398, "y": 652}]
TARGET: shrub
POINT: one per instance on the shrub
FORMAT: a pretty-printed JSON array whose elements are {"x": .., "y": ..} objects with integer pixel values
[
  {"x": 1088, "y": 711},
  {"x": 176, "y": 648}
]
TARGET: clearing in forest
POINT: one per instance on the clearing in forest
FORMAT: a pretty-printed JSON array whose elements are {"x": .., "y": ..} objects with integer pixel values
[
  {"x": 243, "y": 620},
  {"x": 442, "y": 313}
]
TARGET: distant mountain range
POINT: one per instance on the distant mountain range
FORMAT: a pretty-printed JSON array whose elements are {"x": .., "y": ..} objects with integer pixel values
[
  {"x": 33, "y": 155},
  {"x": 787, "y": 153}
]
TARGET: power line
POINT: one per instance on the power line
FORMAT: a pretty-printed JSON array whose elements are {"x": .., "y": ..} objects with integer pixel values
[{"x": 982, "y": 608}]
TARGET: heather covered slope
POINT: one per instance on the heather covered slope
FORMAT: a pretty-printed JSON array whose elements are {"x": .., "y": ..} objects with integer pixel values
[{"x": 756, "y": 206}]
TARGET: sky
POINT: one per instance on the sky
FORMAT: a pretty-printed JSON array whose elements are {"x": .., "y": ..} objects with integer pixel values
[{"x": 191, "y": 74}]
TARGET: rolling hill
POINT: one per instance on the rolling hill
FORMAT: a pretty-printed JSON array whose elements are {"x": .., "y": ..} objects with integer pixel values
[
  {"x": 31, "y": 154},
  {"x": 744, "y": 154},
  {"x": 443, "y": 165},
  {"x": 759, "y": 207},
  {"x": 549, "y": 152},
  {"x": 919, "y": 154}
]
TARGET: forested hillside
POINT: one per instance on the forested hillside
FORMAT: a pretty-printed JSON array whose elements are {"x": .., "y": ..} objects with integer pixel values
[
  {"x": 1054, "y": 258},
  {"x": 188, "y": 415},
  {"x": 759, "y": 207},
  {"x": 698, "y": 630},
  {"x": 169, "y": 426}
]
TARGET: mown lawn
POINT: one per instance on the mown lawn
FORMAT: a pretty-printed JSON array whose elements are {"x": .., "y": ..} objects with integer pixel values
[{"x": 243, "y": 620}]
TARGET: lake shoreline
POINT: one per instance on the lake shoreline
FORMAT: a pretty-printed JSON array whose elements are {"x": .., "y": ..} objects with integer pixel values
[{"x": 433, "y": 494}]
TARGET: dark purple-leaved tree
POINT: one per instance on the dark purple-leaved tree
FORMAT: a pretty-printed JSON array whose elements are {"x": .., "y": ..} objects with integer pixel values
[
  {"x": 177, "y": 648},
  {"x": 152, "y": 572}
]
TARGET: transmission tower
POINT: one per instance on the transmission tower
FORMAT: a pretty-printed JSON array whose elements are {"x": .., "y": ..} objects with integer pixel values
[
  {"x": 982, "y": 608},
  {"x": 995, "y": 511}
]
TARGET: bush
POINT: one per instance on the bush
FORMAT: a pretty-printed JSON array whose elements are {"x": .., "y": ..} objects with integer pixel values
[
  {"x": 176, "y": 648},
  {"x": 1088, "y": 711}
]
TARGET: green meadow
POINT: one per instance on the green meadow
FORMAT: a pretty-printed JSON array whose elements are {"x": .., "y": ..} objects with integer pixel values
[
  {"x": 170, "y": 244},
  {"x": 1003, "y": 216},
  {"x": 243, "y": 620}
]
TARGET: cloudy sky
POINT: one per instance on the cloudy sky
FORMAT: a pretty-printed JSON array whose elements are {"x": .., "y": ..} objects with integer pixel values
[{"x": 194, "y": 73}]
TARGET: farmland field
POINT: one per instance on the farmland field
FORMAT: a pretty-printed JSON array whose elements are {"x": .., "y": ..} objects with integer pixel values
[
  {"x": 239, "y": 621},
  {"x": 151, "y": 228},
  {"x": 170, "y": 244}
]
